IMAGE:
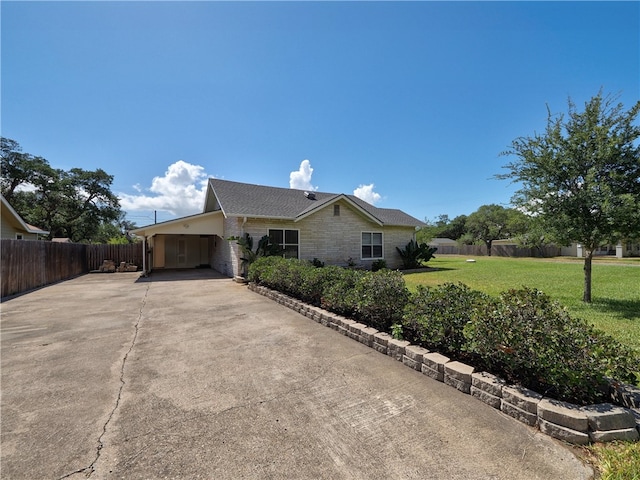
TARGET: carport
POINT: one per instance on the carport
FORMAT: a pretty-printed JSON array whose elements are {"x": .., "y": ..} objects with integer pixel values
[{"x": 187, "y": 242}]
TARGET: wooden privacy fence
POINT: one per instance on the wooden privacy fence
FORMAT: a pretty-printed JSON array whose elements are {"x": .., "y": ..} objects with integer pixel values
[
  {"x": 498, "y": 251},
  {"x": 26, "y": 264},
  {"x": 96, "y": 254}
]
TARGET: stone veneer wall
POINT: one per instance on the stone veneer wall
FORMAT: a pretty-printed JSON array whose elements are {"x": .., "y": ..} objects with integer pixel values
[
  {"x": 331, "y": 239},
  {"x": 226, "y": 254},
  {"x": 565, "y": 421}
]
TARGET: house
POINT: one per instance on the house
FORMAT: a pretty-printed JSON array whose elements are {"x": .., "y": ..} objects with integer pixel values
[
  {"x": 337, "y": 229},
  {"x": 442, "y": 242},
  {"x": 14, "y": 227},
  {"x": 624, "y": 248}
]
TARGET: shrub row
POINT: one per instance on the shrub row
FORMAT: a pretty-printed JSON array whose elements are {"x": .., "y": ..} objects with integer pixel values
[
  {"x": 374, "y": 298},
  {"x": 522, "y": 336}
]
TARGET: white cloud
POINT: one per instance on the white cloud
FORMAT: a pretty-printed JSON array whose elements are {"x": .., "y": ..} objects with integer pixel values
[
  {"x": 366, "y": 193},
  {"x": 301, "y": 179},
  {"x": 180, "y": 191}
]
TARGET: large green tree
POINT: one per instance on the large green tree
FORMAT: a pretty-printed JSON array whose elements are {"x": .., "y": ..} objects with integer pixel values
[
  {"x": 580, "y": 178},
  {"x": 443, "y": 227},
  {"x": 72, "y": 203},
  {"x": 494, "y": 222}
]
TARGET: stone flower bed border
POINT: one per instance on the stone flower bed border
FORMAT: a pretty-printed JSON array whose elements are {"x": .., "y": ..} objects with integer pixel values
[{"x": 565, "y": 421}]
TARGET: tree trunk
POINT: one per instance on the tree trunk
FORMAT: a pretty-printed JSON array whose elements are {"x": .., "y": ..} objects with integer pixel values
[
  {"x": 488, "y": 243},
  {"x": 586, "y": 296}
]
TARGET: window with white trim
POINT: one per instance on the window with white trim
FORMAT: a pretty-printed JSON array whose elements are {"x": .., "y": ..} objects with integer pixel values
[
  {"x": 287, "y": 239},
  {"x": 371, "y": 245},
  {"x": 19, "y": 236}
]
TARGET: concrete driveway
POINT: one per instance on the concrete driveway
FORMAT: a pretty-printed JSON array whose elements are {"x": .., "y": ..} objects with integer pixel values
[{"x": 189, "y": 375}]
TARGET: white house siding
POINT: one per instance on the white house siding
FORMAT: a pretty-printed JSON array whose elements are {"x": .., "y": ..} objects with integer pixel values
[{"x": 7, "y": 230}]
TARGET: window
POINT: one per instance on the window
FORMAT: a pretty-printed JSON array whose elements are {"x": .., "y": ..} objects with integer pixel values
[
  {"x": 287, "y": 239},
  {"x": 336, "y": 210},
  {"x": 19, "y": 236},
  {"x": 371, "y": 245}
]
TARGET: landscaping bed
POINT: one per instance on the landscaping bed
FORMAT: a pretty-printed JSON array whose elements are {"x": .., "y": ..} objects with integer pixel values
[{"x": 503, "y": 351}]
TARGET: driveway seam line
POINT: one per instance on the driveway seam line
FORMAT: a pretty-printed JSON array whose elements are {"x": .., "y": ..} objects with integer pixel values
[{"x": 89, "y": 470}]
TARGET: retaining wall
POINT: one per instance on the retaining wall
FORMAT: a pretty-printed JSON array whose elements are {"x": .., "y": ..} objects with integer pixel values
[{"x": 565, "y": 421}]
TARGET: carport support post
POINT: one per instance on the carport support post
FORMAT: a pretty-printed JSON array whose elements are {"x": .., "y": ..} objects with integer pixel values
[{"x": 144, "y": 254}]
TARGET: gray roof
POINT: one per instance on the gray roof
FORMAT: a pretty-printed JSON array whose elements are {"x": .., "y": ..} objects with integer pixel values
[{"x": 246, "y": 200}]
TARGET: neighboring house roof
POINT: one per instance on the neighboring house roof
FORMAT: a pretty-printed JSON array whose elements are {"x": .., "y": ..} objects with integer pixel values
[
  {"x": 237, "y": 199},
  {"x": 442, "y": 241},
  {"x": 16, "y": 220}
]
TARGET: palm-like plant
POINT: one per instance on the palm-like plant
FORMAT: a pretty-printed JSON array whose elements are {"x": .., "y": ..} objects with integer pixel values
[{"x": 414, "y": 254}]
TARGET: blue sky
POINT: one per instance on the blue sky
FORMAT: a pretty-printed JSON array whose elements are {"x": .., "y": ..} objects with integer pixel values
[{"x": 407, "y": 103}]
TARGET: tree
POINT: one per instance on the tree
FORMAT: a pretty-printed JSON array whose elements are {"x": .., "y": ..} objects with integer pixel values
[
  {"x": 20, "y": 168},
  {"x": 494, "y": 222},
  {"x": 443, "y": 227},
  {"x": 581, "y": 177},
  {"x": 115, "y": 232},
  {"x": 70, "y": 204}
]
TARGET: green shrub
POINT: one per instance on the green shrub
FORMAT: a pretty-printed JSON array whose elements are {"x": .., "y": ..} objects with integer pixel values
[
  {"x": 317, "y": 263},
  {"x": 338, "y": 296},
  {"x": 527, "y": 338},
  {"x": 378, "y": 265},
  {"x": 316, "y": 280},
  {"x": 380, "y": 298},
  {"x": 436, "y": 317},
  {"x": 262, "y": 270}
]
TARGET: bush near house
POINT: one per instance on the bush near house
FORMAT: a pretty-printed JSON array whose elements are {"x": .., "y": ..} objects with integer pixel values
[
  {"x": 522, "y": 336},
  {"x": 435, "y": 317},
  {"x": 375, "y": 298}
]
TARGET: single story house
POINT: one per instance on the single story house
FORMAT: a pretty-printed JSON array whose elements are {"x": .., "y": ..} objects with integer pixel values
[
  {"x": 337, "y": 229},
  {"x": 13, "y": 227},
  {"x": 442, "y": 242}
]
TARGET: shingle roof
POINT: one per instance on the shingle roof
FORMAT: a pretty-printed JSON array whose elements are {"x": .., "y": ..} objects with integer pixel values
[{"x": 247, "y": 200}]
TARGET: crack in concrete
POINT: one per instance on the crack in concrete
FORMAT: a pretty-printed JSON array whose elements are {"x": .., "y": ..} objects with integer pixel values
[{"x": 90, "y": 469}]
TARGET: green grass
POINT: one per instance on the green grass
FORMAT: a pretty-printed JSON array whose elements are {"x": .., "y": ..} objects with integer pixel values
[
  {"x": 616, "y": 460},
  {"x": 615, "y": 306},
  {"x": 615, "y": 309}
]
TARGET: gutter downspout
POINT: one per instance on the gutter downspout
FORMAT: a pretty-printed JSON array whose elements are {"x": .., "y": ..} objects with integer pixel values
[{"x": 239, "y": 273}]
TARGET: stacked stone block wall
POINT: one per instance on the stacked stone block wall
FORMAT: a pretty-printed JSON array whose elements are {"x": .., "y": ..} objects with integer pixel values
[{"x": 565, "y": 421}]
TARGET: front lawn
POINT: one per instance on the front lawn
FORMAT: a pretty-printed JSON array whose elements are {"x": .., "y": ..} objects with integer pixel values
[{"x": 615, "y": 290}]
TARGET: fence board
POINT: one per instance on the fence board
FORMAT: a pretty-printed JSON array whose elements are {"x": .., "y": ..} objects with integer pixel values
[
  {"x": 498, "y": 251},
  {"x": 26, "y": 264}
]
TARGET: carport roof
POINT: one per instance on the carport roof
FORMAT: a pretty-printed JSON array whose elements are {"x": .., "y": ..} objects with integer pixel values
[{"x": 184, "y": 225}]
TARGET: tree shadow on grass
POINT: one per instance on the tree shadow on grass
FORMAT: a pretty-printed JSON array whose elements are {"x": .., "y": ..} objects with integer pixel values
[{"x": 627, "y": 309}]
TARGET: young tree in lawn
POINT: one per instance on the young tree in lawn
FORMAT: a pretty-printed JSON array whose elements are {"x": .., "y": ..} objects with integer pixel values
[{"x": 581, "y": 177}]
